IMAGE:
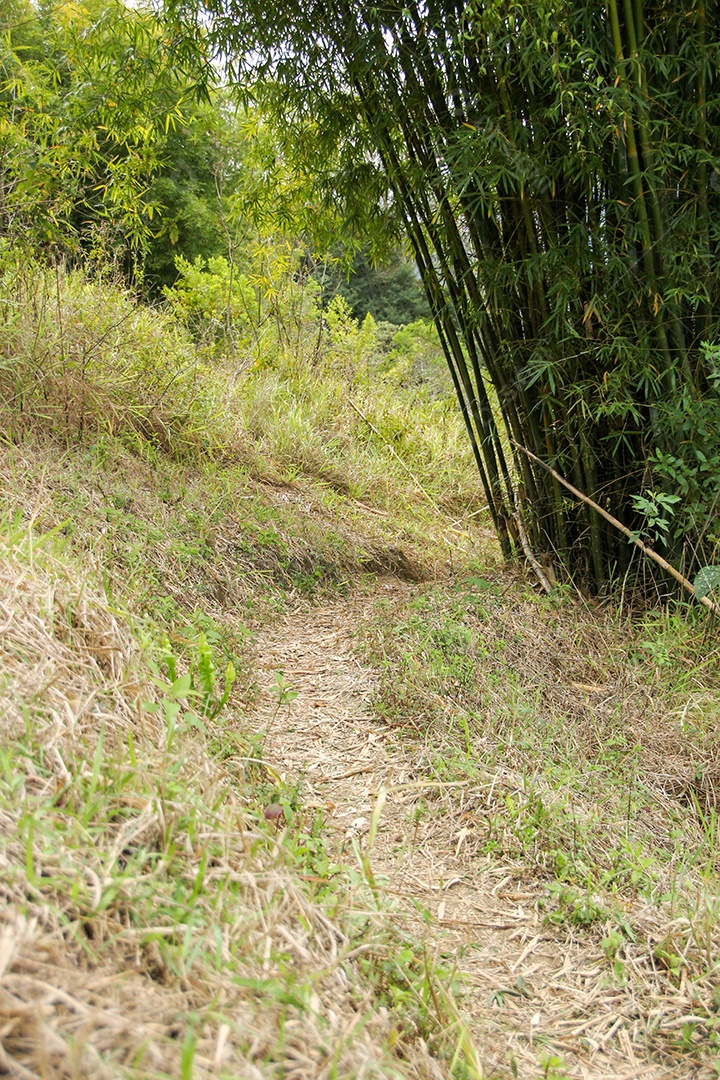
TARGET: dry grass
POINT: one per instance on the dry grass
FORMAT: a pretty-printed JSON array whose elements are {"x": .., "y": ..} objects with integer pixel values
[
  {"x": 82, "y": 363},
  {"x": 171, "y": 539},
  {"x": 585, "y": 758},
  {"x": 602, "y": 984},
  {"x": 153, "y": 924},
  {"x": 79, "y": 359}
]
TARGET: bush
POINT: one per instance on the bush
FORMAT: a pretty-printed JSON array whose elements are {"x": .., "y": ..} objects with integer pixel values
[
  {"x": 692, "y": 469},
  {"x": 213, "y": 300}
]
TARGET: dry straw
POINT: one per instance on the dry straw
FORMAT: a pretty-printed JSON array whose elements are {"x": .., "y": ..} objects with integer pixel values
[{"x": 101, "y": 973}]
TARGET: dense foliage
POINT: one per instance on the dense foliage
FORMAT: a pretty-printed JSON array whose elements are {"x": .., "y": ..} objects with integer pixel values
[
  {"x": 89, "y": 93},
  {"x": 557, "y": 168},
  {"x": 119, "y": 148},
  {"x": 391, "y": 292}
]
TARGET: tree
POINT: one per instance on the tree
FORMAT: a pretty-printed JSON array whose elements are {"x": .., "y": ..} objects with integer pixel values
[
  {"x": 200, "y": 166},
  {"x": 391, "y": 292},
  {"x": 556, "y": 165},
  {"x": 88, "y": 92}
]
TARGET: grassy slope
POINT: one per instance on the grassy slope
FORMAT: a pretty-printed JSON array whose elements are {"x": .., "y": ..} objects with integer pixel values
[
  {"x": 156, "y": 922},
  {"x": 152, "y": 909},
  {"x": 590, "y": 752}
]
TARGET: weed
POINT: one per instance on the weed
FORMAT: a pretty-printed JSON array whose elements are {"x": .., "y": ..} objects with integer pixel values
[
  {"x": 518, "y": 990},
  {"x": 280, "y": 689},
  {"x": 573, "y": 907},
  {"x": 553, "y": 1068}
]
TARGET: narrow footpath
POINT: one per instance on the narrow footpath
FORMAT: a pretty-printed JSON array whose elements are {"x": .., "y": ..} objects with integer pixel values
[{"x": 538, "y": 1000}]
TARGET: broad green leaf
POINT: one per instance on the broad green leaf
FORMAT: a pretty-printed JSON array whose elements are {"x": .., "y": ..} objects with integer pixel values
[
  {"x": 707, "y": 579},
  {"x": 181, "y": 687}
]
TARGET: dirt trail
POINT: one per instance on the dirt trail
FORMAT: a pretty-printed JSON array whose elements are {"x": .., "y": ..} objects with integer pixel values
[{"x": 559, "y": 999}]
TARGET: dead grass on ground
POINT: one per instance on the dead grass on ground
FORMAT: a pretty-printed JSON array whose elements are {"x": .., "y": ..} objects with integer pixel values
[
  {"x": 152, "y": 923},
  {"x": 171, "y": 539},
  {"x": 579, "y": 757}
]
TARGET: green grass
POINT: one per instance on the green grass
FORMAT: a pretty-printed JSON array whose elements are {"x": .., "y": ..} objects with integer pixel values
[{"x": 560, "y": 700}]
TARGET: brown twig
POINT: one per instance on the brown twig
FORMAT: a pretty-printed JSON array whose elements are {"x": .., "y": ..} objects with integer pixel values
[
  {"x": 541, "y": 576},
  {"x": 347, "y": 775}
]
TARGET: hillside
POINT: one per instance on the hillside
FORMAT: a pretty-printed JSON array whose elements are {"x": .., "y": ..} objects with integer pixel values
[{"x": 298, "y": 779}]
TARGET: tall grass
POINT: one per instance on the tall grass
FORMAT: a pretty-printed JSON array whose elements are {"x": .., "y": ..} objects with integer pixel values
[
  {"x": 79, "y": 358},
  {"x": 82, "y": 359}
]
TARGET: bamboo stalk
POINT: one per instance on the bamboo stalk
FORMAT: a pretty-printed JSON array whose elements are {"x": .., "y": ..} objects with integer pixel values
[
  {"x": 648, "y": 248},
  {"x": 648, "y": 153},
  {"x": 498, "y": 242},
  {"x": 703, "y": 317},
  {"x": 455, "y": 268},
  {"x": 451, "y": 348}
]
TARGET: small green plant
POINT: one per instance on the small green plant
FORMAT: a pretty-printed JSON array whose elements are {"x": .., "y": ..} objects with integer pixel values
[
  {"x": 211, "y": 704},
  {"x": 670, "y": 960},
  {"x": 187, "y": 1054},
  {"x": 612, "y": 945},
  {"x": 658, "y": 509},
  {"x": 282, "y": 690},
  {"x": 518, "y": 990},
  {"x": 197, "y": 685},
  {"x": 553, "y": 1068},
  {"x": 574, "y": 907},
  {"x": 213, "y": 299}
]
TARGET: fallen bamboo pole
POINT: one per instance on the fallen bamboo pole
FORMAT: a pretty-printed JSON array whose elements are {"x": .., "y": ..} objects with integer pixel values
[{"x": 686, "y": 584}]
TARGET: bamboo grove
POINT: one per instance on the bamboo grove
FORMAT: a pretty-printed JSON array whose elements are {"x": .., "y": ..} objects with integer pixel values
[{"x": 557, "y": 168}]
